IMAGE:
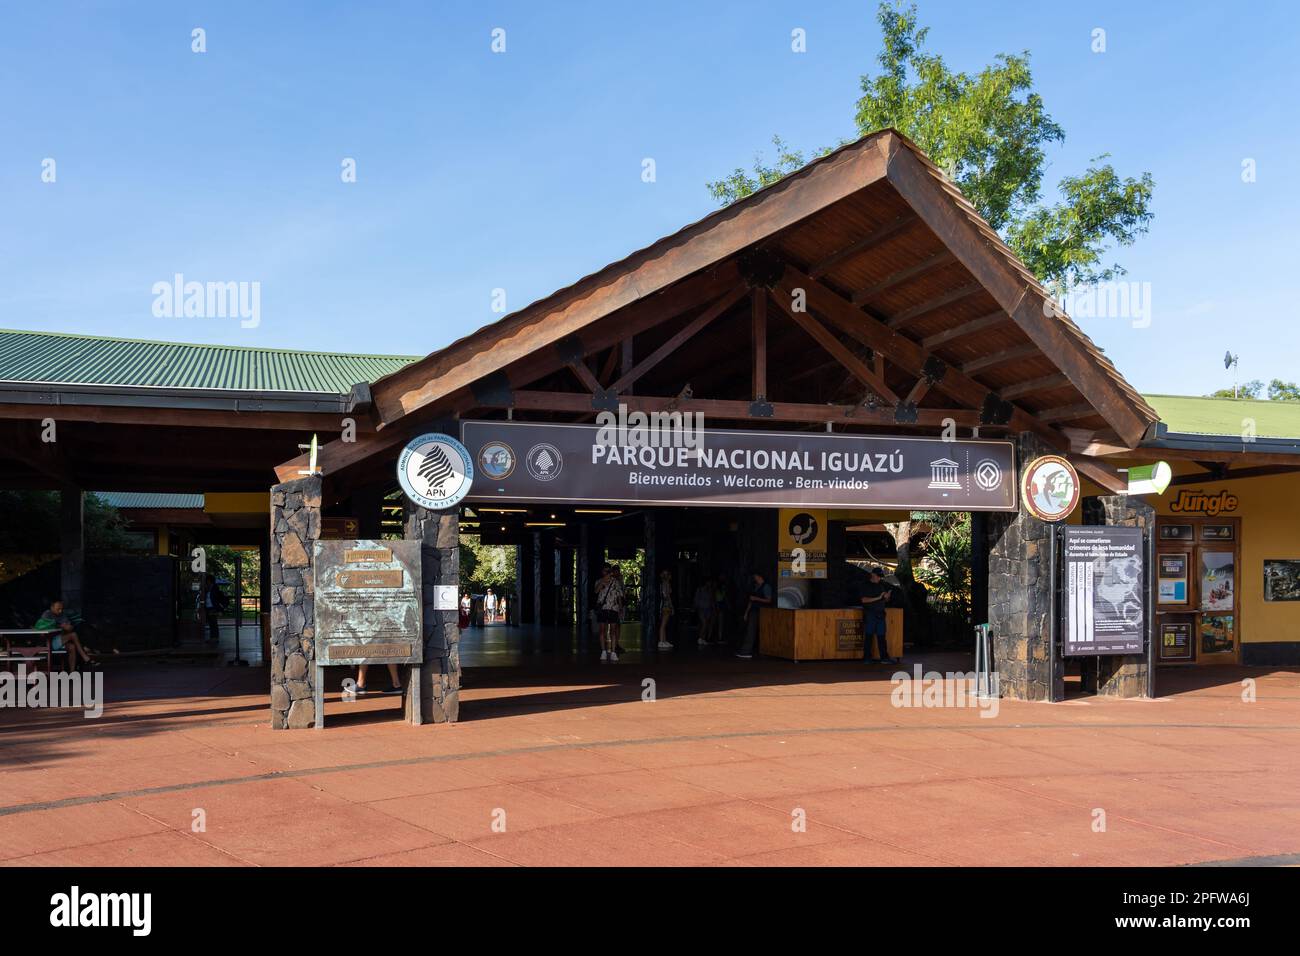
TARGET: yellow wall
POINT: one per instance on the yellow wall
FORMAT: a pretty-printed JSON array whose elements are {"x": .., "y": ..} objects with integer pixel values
[
  {"x": 237, "y": 502},
  {"x": 1269, "y": 509}
]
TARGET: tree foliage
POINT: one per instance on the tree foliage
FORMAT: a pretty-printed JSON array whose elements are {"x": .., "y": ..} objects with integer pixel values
[
  {"x": 1278, "y": 391},
  {"x": 989, "y": 131}
]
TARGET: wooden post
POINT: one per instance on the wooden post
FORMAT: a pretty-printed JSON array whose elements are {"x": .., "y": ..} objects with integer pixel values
[{"x": 758, "y": 319}]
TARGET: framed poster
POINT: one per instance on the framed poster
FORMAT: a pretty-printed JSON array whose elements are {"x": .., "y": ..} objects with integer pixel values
[
  {"x": 1217, "y": 635},
  {"x": 1103, "y": 584},
  {"x": 1175, "y": 640},
  {"x": 1216, "y": 532},
  {"x": 1176, "y": 532},
  {"x": 1282, "y": 579},
  {"x": 1218, "y": 581},
  {"x": 1172, "y": 580}
]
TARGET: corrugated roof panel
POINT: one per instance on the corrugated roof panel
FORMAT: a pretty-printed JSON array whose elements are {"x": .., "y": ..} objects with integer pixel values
[
  {"x": 56, "y": 358},
  {"x": 146, "y": 499}
]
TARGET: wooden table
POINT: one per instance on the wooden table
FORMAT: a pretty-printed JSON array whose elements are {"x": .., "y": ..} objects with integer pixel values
[
  {"x": 813, "y": 634},
  {"x": 28, "y": 640}
]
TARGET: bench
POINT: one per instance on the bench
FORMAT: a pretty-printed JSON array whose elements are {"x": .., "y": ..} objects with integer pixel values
[{"x": 30, "y": 646}]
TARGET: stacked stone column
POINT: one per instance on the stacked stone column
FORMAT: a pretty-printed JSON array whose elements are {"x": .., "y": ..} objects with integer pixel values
[
  {"x": 439, "y": 534},
  {"x": 1020, "y": 593},
  {"x": 295, "y": 528}
]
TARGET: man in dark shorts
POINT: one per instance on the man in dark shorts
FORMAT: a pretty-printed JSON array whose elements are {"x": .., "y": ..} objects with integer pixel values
[
  {"x": 760, "y": 596},
  {"x": 875, "y": 594}
]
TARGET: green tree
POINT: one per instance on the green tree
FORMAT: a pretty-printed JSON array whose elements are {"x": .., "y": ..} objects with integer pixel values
[
  {"x": 1280, "y": 391},
  {"x": 989, "y": 132},
  {"x": 484, "y": 566},
  {"x": 1251, "y": 389}
]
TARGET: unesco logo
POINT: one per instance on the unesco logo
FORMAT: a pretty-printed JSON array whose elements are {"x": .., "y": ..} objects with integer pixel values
[
  {"x": 988, "y": 475},
  {"x": 544, "y": 461}
]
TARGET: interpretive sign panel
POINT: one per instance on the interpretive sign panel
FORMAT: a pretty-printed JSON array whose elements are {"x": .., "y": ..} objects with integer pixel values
[
  {"x": 368, "y": 607},
  {"x": 1104, "y": 590}
]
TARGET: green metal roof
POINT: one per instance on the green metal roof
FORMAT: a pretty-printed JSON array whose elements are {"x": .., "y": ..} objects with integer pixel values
[
  {"x": 145, "y": 499},
  {"x": 58, "y": 358},
  {"x": 1227, "y": 416}
]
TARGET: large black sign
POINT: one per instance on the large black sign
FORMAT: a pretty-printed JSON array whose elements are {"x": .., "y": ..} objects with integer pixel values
[
  {"x": 522, "y": 461},
  {"x": 1103, "y": 590}
]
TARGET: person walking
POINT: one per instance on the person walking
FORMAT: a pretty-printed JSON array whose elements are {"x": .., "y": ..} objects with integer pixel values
[
  {"x": 760, "y": 596},
  {"x": 466, "y": 605},
  {"x": 214, "y": 603},
  {"x": 490, "y": 608}
]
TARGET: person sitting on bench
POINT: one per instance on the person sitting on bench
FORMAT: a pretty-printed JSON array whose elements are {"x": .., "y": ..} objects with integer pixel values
[{"x": 57, "y": 618}]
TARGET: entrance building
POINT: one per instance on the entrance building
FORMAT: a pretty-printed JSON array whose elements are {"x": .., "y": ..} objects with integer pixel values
[{"x": 858, "y": 310}]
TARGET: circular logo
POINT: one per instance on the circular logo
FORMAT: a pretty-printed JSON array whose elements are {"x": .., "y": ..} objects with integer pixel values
[
  {"x": 435, "y": 471},
  {"x": 1050, "y": 487},
  {"x": 496, "y": 459},
  {"x": 802, "y": 527},
  {"x": 988, "y": 475},
  {"x": 544, "y": 461}
]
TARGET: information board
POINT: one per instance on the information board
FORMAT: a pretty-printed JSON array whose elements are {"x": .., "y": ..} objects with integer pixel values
[
  {"x": 368, "y": 603},
  {"x": 1104, "y": 591}
]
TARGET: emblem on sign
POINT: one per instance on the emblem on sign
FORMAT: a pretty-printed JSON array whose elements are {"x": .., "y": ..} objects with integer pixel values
[
  {"x": 435, "y": 471},
  {"x": 496, "y": 460},
  {"x": 988, "y": 475},
  {"x": 1051, "y": 488},
  {"x": 544, "y": 461}
]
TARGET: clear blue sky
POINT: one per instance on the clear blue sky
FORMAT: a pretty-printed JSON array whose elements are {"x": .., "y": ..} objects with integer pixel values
[{"x": 522, "y": 170}]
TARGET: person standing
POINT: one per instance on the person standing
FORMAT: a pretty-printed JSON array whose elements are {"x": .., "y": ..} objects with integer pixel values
[
  {"x": 760, "y": 596},
  {"x": 466, "y": 605},
  {"x": 874, "y": 596},
  {"x": 214, "y": 602},
  {"x": 665, "y": 607},
  {"x": 490, "y": 607},
  {"x": 609, "y": 604}
]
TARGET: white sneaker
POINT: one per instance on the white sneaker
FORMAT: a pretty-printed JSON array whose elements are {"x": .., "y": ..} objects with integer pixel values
[
  {"x": 604, "y": 655},
  {"x": 613, "y": 657},
  {"x": 665, "y": 646}
]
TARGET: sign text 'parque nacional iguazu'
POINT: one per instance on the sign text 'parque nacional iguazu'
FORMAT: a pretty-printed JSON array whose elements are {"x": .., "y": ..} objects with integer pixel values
[{"x": 525, "y": 461}]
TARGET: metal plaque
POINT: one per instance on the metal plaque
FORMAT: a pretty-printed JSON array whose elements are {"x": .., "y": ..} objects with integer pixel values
[{"x": 368, "y": 603}]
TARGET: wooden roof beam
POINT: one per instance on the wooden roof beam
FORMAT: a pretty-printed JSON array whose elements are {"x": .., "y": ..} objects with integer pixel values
[
  {"x": 823, "y": 337},
  {"x": 868, "y": 242},
  {"x": 900, "y": 350},
  {"x": 936, "y": 302},
  {"x": 972, "y": 327},
  {"x": 903, "y": 275},
  {"x": 945, "y": 217}
]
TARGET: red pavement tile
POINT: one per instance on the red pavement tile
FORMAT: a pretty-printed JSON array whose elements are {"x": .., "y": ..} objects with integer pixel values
[
  {"x": 626, "y": 791},
  {"x": 850, "y": 852},
  {"x": 734, "y": 828},
  {"x": 439, "y": 854},
  {"x": 59, "y": 829},
  {"x": 468, "y": 815},
  {"x": 604, "y": 842},
  {"x": 167, "y": 848}
]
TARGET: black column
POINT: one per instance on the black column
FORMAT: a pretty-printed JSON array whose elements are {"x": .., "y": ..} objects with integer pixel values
[
  {"x": 650, "y": 591},
  {"x": 979, "y": 567},
  {"x": 72, "y": 547}
]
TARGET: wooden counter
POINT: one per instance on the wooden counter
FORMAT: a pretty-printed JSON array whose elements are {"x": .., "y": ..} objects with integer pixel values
[{"x": 822, "y": 634}]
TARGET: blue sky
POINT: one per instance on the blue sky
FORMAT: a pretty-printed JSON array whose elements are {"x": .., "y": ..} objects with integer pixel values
[{"x": 522, "y": 170}]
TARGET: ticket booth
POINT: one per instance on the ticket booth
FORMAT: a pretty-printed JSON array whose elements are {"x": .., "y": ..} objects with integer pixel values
[{"x": 1197, "y": 602}]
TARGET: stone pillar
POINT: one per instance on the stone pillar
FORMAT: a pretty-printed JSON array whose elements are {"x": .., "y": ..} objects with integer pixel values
[
  {"x": 1132, "y": 675},
  {"x": 295, "y": 528},
  {"x": 439, "y": 535},
  {"x": 1020, "y": 593},
  {"x": 72, "y": 547}
]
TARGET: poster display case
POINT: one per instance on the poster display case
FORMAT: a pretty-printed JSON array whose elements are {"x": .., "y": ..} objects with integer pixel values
[{"x": 1197, "y": 578}]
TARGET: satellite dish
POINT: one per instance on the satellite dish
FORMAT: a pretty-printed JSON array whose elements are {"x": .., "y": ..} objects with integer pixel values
[{"x": 1228, "y": 359}]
